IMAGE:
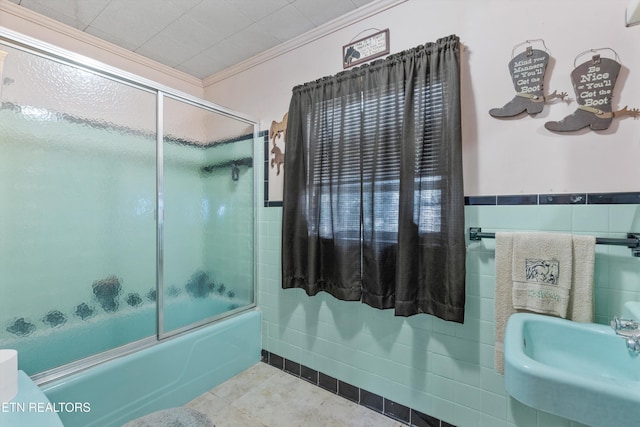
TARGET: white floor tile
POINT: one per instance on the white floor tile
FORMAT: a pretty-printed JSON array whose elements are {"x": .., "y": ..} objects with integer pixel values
[{"x": 264, "y": 396}]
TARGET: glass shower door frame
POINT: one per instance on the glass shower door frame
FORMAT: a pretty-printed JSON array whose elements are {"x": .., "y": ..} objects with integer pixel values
[
  {"x": 162, "y": 333},
  {"x": 51, "y": 52}
]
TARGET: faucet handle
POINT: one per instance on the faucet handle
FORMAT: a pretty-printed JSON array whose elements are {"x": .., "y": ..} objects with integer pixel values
[
  {"x": 619, "y": 324},
  {"x": 633, "y": 344}
]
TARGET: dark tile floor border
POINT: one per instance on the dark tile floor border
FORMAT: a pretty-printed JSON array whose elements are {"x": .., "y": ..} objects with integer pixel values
[
  {"x": 555, "y": 199},
  {"x": 373, "y": 401}
]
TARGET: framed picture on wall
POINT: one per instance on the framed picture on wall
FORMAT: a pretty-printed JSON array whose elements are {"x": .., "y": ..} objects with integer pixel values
[{"x": 365, "y": 49}]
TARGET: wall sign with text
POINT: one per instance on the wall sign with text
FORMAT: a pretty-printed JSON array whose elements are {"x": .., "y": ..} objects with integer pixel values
[
  {"x": 593, "y": 82},
  {"x": 527, "y": 70},
  {"x": 365, "y": 49}
]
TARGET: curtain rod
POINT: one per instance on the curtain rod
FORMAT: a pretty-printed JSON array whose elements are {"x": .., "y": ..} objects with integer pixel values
[{"x": 632, "y": 241}]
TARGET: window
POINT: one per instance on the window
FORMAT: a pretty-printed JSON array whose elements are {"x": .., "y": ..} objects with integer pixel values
[{"x": 373, "y": 202}]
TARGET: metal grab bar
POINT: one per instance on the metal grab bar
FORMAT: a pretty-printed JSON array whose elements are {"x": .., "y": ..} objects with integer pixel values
[{"x": 632, "y": 241}]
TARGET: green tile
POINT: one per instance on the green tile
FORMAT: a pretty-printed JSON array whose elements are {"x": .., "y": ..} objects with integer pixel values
[
  {"x": 486, "y": 217},
  {"x": 487, "y": 286},
  {"x": 443, "y": 366},
  {"x": 556, "y": 218},
  {"x": 516, "y": 218},
  {"x": 472, "y": 287},
  {"x": 471, "y": 215},
  {"x": 489, "y": 421},
  {"x": 468, "y": 373},
  {"x": 472, "y": 307},
  {"x": 491, "y": 381},
  {"x": 467, "y": 417},
  {"x": 444, "y": 409},
  {"x": 467, "y": 396},
  {"x": 624, "y": 218},
  {"x": 469, "y": 330},
  {"x": 494, "y": 405},
  {"x": 521, "y": 415},
  {"x": 475, "y": 260},
  {"x": 421, "y": 400},
  {"x": 443, "y": 388},
  {"x": 591, "y": 218},
  {"x": 486, "y": 332}
]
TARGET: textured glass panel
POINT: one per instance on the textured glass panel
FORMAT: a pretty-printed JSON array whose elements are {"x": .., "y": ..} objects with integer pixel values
[
  {"x": 77, "y": 212},
  {"x": 208, "y": 223},
  {"x": 46, "y": 87}
]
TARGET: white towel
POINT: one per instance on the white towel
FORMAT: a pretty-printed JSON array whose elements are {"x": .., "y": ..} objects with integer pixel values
[
  {"x": 580, "y": 303},
  {"x": 503, "y": 300},
  {"x": 542, "y": 269},
  {"x": 581, "y": 298}
]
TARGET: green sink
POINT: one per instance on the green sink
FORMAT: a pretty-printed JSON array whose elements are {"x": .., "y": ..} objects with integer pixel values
[{"x": 580, "y": 371}]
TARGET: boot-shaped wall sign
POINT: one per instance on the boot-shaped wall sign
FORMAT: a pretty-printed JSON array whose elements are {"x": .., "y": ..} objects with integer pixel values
[
  {"x": 527, "y": 71},
  {"x": 593, "y": 82}
]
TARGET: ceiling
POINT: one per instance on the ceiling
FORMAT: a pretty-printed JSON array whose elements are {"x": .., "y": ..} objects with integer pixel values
[{"x": 198, "y": 37}]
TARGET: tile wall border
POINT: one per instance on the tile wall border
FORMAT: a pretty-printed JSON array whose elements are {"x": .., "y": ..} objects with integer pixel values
[
  {"x": 373, "y": 401},
  {"x": 554, "y": 199}
]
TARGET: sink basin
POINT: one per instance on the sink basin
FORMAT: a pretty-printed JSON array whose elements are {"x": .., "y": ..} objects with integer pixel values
[{"x": 580, "y": 371}]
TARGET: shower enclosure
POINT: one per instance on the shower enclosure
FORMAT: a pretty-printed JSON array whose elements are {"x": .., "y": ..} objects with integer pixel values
[{"x": 126, "y": 210}]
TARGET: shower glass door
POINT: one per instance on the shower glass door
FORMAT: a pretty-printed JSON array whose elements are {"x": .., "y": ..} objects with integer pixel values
[
  {"x": 208, "y": 203},
  {"x": 126, "y": 210},
  {"x": 77, "y": 211}
]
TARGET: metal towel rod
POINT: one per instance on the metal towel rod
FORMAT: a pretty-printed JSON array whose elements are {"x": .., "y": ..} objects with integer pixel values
[{"x": 632, "y": 241}]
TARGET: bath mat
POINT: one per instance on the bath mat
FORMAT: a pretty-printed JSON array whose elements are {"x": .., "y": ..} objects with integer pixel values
[{"x": 174, "y": 417}]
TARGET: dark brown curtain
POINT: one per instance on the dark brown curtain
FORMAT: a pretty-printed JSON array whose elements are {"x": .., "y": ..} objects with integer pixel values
[{"x": 373, "y": 207}]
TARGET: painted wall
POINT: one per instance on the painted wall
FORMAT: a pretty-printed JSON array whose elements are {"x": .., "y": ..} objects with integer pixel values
[
  {"x": 534, "y": 159},
  {"x": 436, "y": 367}
]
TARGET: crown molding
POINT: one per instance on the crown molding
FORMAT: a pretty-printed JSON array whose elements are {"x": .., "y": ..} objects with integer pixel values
[
  {"x": 359, "y": 14},
  {"x": 91, "y": 40},
  {"x": 337, "y": 24}
]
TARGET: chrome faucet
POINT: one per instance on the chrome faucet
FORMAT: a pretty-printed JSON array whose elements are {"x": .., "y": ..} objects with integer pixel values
[{"x": 630, "y": 330}]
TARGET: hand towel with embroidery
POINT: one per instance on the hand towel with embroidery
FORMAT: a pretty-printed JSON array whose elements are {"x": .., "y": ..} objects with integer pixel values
[{"x": 542, "y": 272}]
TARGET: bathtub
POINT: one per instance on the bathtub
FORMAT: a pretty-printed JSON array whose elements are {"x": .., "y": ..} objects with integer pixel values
[
  {"x": 165, "y": 375},
  {"x": 48, "y": 347}
]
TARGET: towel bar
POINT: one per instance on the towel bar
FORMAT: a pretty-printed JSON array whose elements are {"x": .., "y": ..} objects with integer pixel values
[{"x": 632, "y": 241}]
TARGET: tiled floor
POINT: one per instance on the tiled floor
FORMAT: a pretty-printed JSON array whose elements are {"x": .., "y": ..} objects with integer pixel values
[{"x": 264, "y": 396}]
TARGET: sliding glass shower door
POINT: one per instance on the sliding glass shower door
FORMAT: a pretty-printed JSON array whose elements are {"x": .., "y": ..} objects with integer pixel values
[
  {"x": 77, "y": 199},
  {"x": 126, "y": 211},
  {"x": 207, "y": 178}
]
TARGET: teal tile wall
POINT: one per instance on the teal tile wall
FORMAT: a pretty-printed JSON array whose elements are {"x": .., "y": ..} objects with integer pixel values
[
  {"x": 440, "y": 368},
  {"x": 617, "y": 273}
]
